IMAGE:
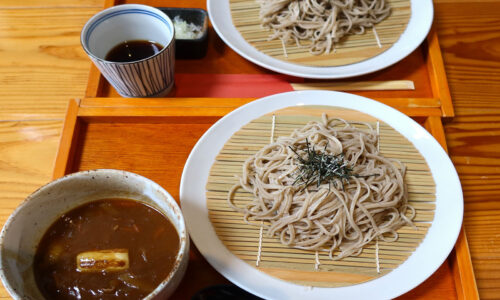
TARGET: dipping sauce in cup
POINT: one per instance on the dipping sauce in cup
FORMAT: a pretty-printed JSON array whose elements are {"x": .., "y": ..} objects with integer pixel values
[{"x": 134, "y": 48}]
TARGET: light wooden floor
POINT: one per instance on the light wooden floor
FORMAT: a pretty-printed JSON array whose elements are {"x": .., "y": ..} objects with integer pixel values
[{"x": 42, "y": 65}]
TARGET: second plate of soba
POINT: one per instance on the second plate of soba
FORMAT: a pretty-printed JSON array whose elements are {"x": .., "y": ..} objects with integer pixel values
[
  {"x": 321, "y": 194},
  {"x": 322, "y": 39}
]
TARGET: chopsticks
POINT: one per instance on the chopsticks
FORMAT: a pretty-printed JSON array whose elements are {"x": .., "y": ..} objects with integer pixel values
[{"x": 388, "y": 85}]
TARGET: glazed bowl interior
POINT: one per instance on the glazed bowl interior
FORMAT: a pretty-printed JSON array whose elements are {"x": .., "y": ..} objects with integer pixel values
[{"x": 25, "y": 227}]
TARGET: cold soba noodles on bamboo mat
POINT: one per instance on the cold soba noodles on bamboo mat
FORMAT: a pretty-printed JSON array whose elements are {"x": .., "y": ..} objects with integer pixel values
[
  {"x": 355, "y": 226},
  {"x": 326, "y": 188},
  {"x": 321, "y": 23},
  {"x": 321, "y": 33}
]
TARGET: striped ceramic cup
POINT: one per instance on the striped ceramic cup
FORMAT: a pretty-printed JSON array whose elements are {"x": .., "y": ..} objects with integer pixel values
[{"x": 149, "y": 77}]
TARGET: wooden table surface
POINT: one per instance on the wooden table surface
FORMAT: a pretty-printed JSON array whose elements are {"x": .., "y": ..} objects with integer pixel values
[{"x": 42, "y": 66}]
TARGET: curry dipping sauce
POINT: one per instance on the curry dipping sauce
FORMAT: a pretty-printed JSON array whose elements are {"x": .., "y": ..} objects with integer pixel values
[{"x": 106, "y": 249}]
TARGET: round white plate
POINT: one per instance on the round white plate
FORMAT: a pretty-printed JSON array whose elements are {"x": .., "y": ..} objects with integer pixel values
[
  {"x": 422, "y": 13},
  {"x": 431, "y": 253}
]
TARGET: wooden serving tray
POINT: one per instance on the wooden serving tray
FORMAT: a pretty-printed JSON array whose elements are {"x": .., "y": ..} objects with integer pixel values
[
  {"x": 424, "y": 67},
  {"x": 153, "y": 137}
]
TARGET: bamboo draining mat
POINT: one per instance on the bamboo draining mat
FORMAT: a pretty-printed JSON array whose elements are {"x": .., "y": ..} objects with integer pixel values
[
  {"x": 351, "y": 49},
  {"x": 296, "y": 265}
]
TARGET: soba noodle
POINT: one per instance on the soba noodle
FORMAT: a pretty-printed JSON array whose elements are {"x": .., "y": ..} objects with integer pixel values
[
  {"x": 321, "y": 23},
  {"x": 339, "y": 215}
]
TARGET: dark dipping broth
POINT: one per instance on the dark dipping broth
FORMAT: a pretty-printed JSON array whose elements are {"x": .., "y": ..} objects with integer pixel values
[
  {"x": 133, "y": 50},
  {"x": 117, "y": 225}
]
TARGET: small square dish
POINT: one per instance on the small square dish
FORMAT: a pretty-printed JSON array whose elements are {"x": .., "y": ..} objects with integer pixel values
[{"x": 189, "y": 48}]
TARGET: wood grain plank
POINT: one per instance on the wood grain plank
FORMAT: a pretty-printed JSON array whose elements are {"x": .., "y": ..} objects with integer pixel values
[
  {"x": 50, "y": 3},
  {"x": 473, "y": 136},
  {"x": 42, "y": 63},
  {"x": 27, "y": 153}
]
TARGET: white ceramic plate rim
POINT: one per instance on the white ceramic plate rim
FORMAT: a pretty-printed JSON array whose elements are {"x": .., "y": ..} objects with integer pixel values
[
  {"x": 422, "y": 14},
  {"x": 431, "y": 253}
]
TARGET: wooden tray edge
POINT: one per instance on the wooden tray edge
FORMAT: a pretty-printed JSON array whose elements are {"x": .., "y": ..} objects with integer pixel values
[
  {"x": 126, "y": 106},
  {"x": 437, "y": 74},
  {"x": 68, "y": 139},
  {"x": 461, "y": 262}
]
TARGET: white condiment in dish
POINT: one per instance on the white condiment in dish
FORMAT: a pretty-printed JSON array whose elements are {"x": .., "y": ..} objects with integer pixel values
[{"x": 185, "y": 30}]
